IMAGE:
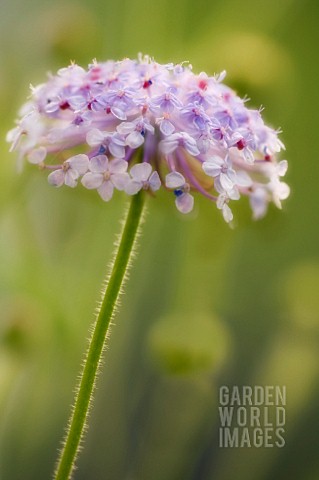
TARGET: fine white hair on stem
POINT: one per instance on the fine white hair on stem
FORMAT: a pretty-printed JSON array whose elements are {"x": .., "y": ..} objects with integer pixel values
[{"x": 107, "y": 307}]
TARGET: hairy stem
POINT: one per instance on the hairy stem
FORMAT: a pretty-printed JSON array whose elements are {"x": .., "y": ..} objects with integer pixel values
[{"x": 122, "y": 259}]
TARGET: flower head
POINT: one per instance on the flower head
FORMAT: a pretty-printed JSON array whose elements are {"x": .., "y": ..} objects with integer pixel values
[{"x": 142, "y": 125}]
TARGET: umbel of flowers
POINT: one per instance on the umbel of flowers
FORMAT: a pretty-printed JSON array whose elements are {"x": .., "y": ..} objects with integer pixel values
[{"x": 137, "y": 124}]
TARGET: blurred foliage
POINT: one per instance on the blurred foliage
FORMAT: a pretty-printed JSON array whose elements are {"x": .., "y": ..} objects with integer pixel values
[
  {"x": 206, "y": 305},
  {"x": 184, "y": 344}
]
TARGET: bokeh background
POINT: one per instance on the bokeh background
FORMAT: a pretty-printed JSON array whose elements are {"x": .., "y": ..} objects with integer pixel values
[{"x": 206, "y": 305}]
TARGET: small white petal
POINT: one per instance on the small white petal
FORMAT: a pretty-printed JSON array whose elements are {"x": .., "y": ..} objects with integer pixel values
[
  {"x": 235, "y": 138},
  {"x": 283, "y": 191},
  {"x": 192, "y": 148},
  {"x": 228, "y": 162},
  {"x": 132, "y": 187},
  {"x": 77, "y": 102},
  {"x": 95, "y": 137},
  {"x": 203, "y": 144},
  {"x": 216, "y": 161},
  {"x": 92, "y": 180},
  {"x": 211, "y": 169},
  {"x": 120, "y": 180},
  {"x": 227, "y": 213},
  {"x": 134, "y": 139},
  {"x": 118, "y": 140},
  {"x": 221, "y": 201},
  {"x": 99, "y": 164},
  {"x": 38, "y": 155},
  {"x": 221, "y": 76},
  {"x": 174, "y": 180},
  {"x": 52, "y": 107},
  {"x": 71, "y": 178},
  {"x": 56, "y": 178},
  {"x": 141, "y": 172},
  {"x": 226, "y": 182},
  {"x": 168, "y": 146},
  {"x": 232, "y": 175},
  {"x": 185, "y": 203},
  {"x": 155, "y": 181},
  {"x": 106, "y": 190},
  {"x": 280, "y": 191},
  {"x": 248, "y": 156},
  {"x": 80, "y": 163},
  {"x": 233, "y": 193},
  {"x": 117, "y": 150},
  {"x": 217, "y": 185},
  {"x": 118, "y": 166},
  {"x": 118, "y": 113},
  {"x": 282, "y": 168},
  {"x": 125, "y": 128},
  {"x": 259, "y": 203},
  {"x": 166, "y": 127},
  {"x": 243, "y": 179},
  {"x": 13, "y": 136}
]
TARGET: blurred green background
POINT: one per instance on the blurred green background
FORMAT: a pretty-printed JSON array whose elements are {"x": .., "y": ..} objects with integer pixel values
[{"x": 206, "y": 305}]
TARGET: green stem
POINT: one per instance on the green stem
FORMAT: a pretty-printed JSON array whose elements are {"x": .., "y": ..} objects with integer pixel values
[{"x": 109, "y": 302}]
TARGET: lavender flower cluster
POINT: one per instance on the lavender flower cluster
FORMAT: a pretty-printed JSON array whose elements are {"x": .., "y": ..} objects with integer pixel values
[{"x": 138, "y": 124}]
